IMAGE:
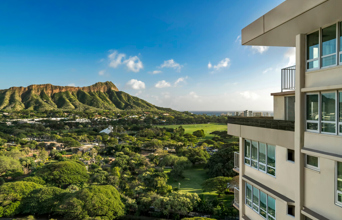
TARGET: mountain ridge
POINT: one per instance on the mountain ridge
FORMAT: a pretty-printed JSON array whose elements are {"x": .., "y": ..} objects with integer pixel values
[{"x": 99, "y": 96}]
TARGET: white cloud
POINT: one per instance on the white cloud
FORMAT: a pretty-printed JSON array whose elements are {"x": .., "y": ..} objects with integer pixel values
[
  {"x": 222, "y": 64},
  {"x": 260, "y": 49},
  {"x": 102, "y": 72},
  {"x": 290, "y": 54},
  {"x": 209, "y": 65},
  {"x": 238, "y": 39},
  {"x": 138, "y": 93},
  {"x": 194, "y": 95},
  {"x": 134, "y": 64},
  {"x": 162, "y": 84},
  {"x": 72, "y": 84},
  {"x": 267, "y": 70},
  {"x": 135, "y": 84},
  {"x": 180, "y": 80},
  {"x": 156, "y": 72},
  {"x": 171, "y": 64},
  {"x": 249, "y": 95}
]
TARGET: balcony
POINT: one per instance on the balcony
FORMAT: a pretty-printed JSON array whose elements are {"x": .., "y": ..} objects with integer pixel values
[
  {"x": 236, "y": 162},
  {"x": 288, "y": 76},
  {"x": 236, "y": 202},
  {"x": 263, "y": 122}
]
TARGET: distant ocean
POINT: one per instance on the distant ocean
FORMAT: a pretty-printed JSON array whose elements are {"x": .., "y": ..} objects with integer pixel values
[{"x": 218, "y": 113}]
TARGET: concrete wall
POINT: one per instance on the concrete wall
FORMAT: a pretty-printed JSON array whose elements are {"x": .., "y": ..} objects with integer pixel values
[
  {"x": 323, "y": 142},
  {"x": 265, "y": 135},
  {"x": 320, "y": 191},
  {"x": 324, "y": 77},
  {"x": 284, "y": 182},
  {"x": 279, "y": 107}
]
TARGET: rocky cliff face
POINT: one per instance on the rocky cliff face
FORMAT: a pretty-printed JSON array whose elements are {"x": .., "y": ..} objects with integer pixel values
[{"x": 100, "y": 96}]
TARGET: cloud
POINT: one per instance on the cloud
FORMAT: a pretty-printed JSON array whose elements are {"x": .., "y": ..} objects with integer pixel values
[
  {"x": 260, "y": 49},
  {"x": 133, "y": 64},
  {"x": 194, "y": 95},
  {"x": 72, "y": 84},
  {"x": 209, "y": 65},
  {"x": 225, "y": 63},
  {"x": 138, "y": 93},
  {"x": 162, "y": 84},
  {"x": 267, "y": 70},
  {"x": 171, "y": 64},
  {"x": 156, "y": 72},
  {"x": 102, "y": 72},
  {"x": 135, "y": 84},
  {"x": 290, "y": 54},
  {"x": 180, "y": 80},
  {"x": 238, "y": 39},
  {"x": 249, "y": 95}
]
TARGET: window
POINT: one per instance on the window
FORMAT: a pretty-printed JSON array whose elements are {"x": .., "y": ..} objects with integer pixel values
[
  {"x": 312, "y": 42},
  {"x": 262, "y": 157},
  {"x": 248, "y": 152},
  {"x": 340, "y": 41},
  {"x": 271, "y": 160},
  {"x": 329, "y": 46},
  {"x": 340, "y": 109},
  {"x": 291, "y": 210},
  {"x": 289, "y": 108},
  {"x": 255, "y": 154},
  {"x": 260, "y": 202},
  {"x": 290, "y": 155},
  {"x": 312, "y": 115},
  {"x": 312, "y": 162},
  {"x": 339, "y": 184},
  {"x": 249, "y": 195},
  {"x": 328, "y": 110}
]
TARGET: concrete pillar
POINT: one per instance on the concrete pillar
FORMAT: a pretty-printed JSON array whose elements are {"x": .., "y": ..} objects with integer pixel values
[
  {"x": 241, "y": 182},
  {"x": 299, "y": 123}
]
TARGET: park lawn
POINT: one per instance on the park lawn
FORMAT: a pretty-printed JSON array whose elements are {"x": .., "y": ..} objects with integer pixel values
[
  {"x": 208, "y": 128},
  {"x": 192, "y": 183}
]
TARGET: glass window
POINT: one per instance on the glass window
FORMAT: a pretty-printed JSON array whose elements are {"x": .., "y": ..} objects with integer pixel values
[
  {"x": 312, "y": 115},
  {"x": 312, "y": 162},
  {"x": 255, "y": 199},
  {"x": 263, "y": 204},
  {"x": 271, "y": 160},
  {"x": 329, "y": 46},
  {"x": 262, "y": 157},
  {"x": 255, "y": 154},
  {"x": 341, "y": 41},
  {"x": 247, "y": 152},
  {"x": 339, "y": 182},
  {"x": 340, "y": 108},
  {"x": 249, "y": 195},
  {"x": 328, "y": 112},
  {"x": 271, "y": 207},
  {"x": 313, "y": 50}
]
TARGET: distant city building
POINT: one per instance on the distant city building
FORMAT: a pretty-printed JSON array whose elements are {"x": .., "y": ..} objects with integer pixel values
[{"x": 257, "y": 114}]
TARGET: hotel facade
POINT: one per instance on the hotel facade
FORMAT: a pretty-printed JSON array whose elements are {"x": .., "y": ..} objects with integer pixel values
[{"x": 290, "y": 166}]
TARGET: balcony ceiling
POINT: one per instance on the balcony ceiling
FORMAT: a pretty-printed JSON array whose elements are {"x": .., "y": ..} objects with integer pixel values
[{"x": 279, "y": 26}]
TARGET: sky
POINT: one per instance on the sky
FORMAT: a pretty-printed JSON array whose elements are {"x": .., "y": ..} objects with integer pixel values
[{"x": 186, "y": 55}]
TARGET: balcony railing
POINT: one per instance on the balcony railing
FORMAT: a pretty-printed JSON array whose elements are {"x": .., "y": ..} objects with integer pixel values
[
  {"x": 236, "y": 198},
  {"x": 263, "y": 122},
  {"x": 236, "y": 162},
  {"x": 288, "y": 76}
]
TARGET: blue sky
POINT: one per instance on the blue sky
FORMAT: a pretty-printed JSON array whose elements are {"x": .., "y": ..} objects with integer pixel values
[{"x": 157, "y": 50}]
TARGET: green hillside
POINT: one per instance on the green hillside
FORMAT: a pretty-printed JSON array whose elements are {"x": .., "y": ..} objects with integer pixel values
[{"x": 100, "y": 96}]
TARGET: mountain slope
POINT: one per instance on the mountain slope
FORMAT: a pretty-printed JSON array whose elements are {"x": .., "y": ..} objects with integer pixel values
[{"x": 100, "y": 96}]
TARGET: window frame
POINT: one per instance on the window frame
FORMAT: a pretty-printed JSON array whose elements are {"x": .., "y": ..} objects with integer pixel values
[
  {"x": 318, "y": 122},
  {"x": 336, "y": 112},
  {"x": 339, "y": 131},
  {"x": 263, "y": 164},
  {"x": 321, "y": 46},
  {"x": 338, "y": 203},
  {"x": 319, "y": 51},
  {"x": 257, "y": 156},
  {"x": 250, "y": 151},
  {"x": 275, "y": 160},
  {"x": 310, "y": 166}
]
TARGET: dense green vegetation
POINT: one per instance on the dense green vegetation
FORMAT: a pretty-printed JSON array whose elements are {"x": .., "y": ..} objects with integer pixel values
[{"x": 70, "y": 170}]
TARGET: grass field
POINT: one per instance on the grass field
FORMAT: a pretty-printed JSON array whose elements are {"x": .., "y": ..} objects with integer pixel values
[{"x": 208, "y": 128}]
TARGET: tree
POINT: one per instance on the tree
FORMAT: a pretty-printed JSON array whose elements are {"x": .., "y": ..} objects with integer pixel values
[
  {"x": 196, "y": 155},
  {"x": 43, "y": 155},
  {"x": 63, "y": 173},
  {"x": 94, "y": 201},
  {"x": 9, "y": 166},
  {"x": 219, "y": 184},
  {"x": 154, "y": 144},
  {"x": 35, "y": 179},
  {"x": 222, "y": 162},
  {"x": 199, "y": 133}
]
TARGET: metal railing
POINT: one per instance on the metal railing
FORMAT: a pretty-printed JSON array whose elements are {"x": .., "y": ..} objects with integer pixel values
[
  {"x": 288, "y": 76},
  {"x": 236, "y": 160},
  {"x": 236, "y": 197},
  {"x": 263, "y": 122}
]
